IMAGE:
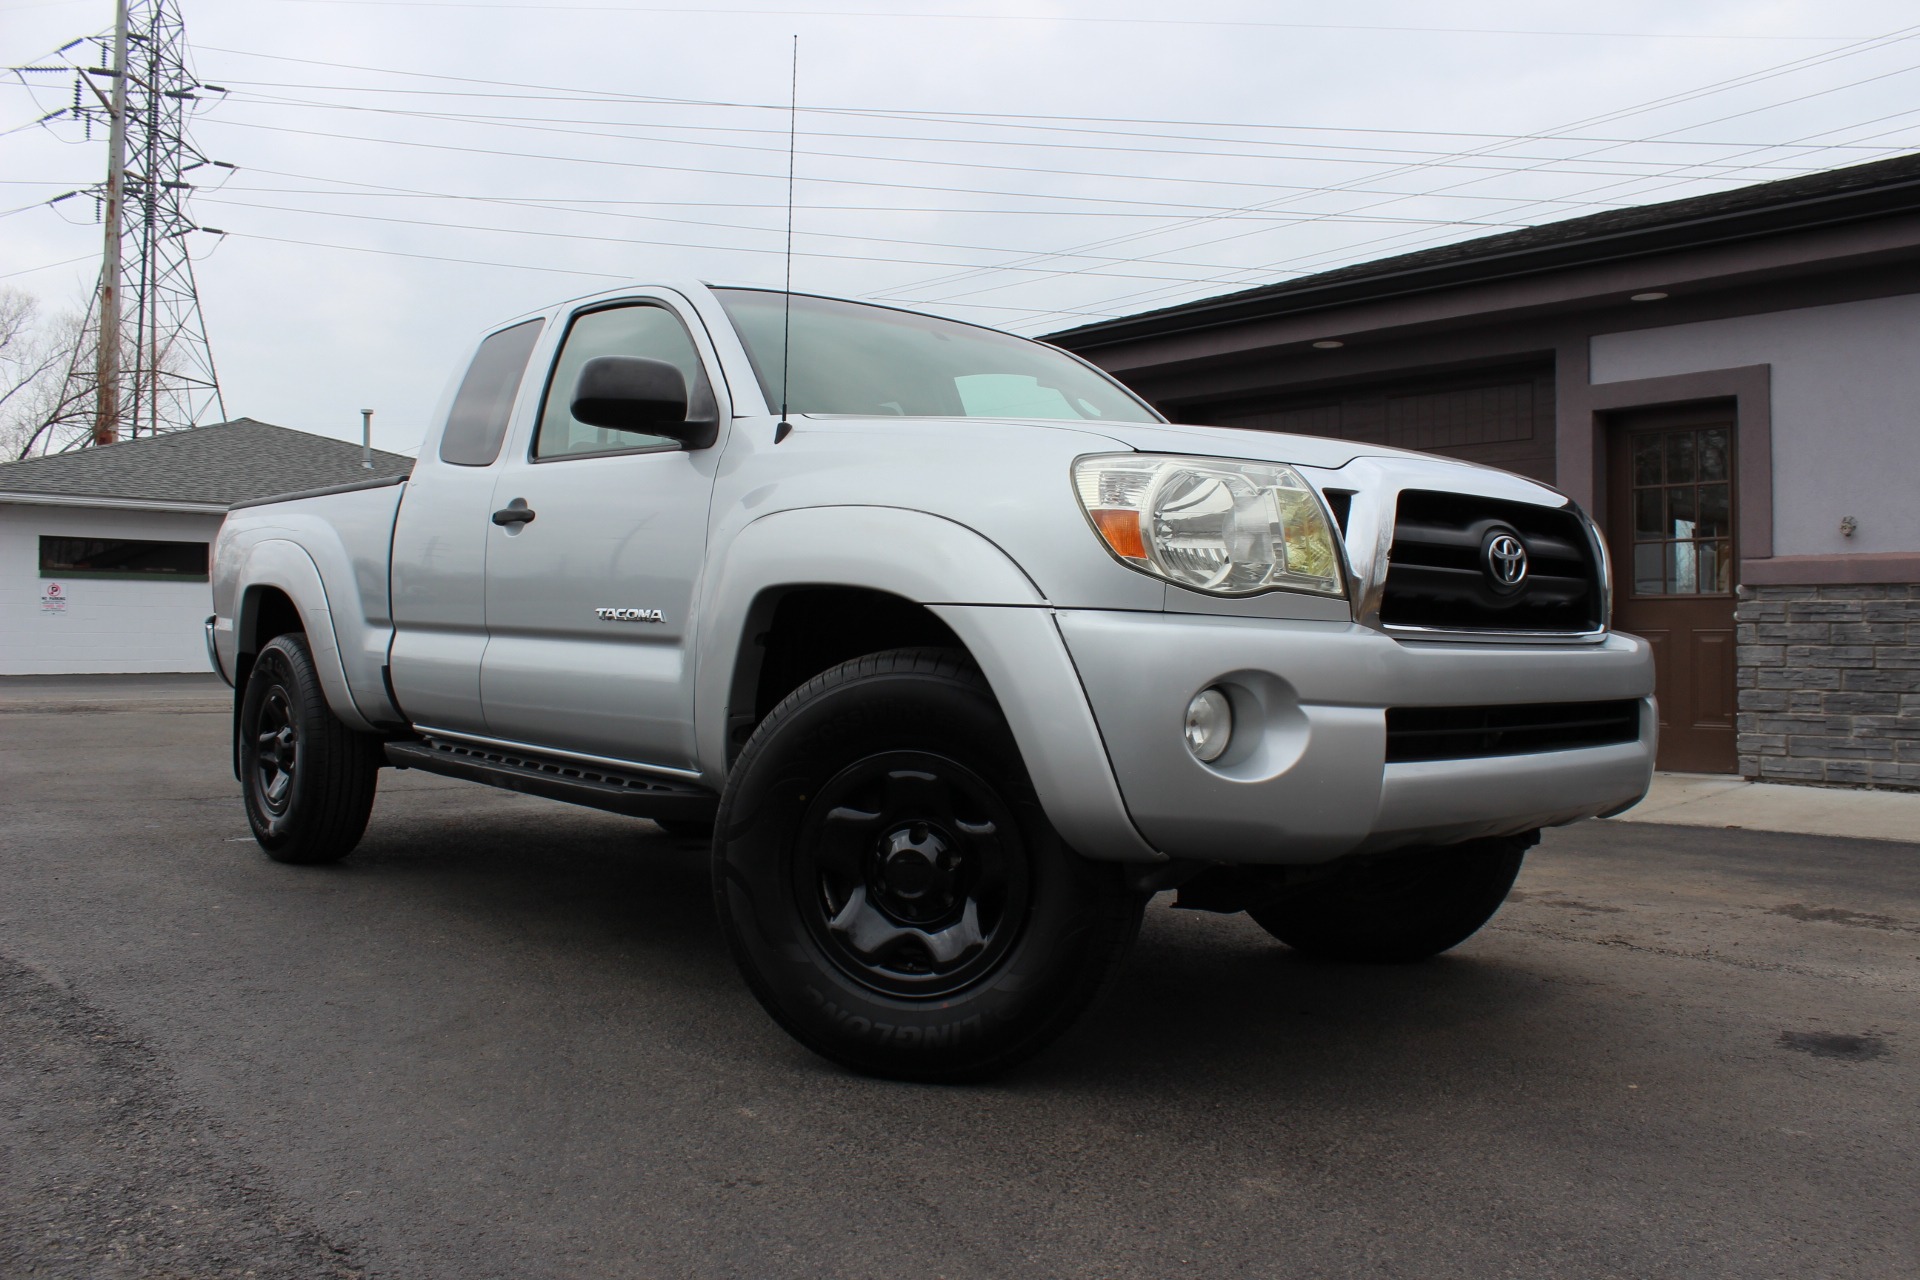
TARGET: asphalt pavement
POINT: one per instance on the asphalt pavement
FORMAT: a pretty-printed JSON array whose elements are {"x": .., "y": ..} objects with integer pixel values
[{"x": 505, "y": 1040}]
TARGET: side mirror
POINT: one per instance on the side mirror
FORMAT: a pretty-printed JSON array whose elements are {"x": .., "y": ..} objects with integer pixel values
[{"x": 647, "y": 397}]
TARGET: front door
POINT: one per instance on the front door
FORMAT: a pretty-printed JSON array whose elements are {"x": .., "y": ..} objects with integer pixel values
[
  {"x": 590, "y": 588},
  {"x": 1670, "y": 528}
]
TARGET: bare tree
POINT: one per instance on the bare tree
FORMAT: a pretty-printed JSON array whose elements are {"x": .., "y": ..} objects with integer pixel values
[
  {"x": 27, "y": 362},
  {"x": 46, "y": 393},
  {"x": 47, "y": 377}
]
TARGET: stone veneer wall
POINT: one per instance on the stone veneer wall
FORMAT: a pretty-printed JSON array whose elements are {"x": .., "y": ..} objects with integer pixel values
[{"x": 1829, "y": 682}]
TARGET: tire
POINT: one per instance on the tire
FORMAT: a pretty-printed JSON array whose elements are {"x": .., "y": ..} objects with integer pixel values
[
  {"x": 307, "y": 779},
  {"x": 1394, "y": 910},
  {"x": 891, "y": 890}
]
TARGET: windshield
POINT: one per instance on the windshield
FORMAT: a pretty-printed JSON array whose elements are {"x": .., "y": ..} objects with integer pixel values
[{"x": 856, "y": 359}]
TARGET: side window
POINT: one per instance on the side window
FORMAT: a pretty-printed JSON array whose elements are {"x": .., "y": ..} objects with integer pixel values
[
  {"x": 478, "y": 422},
  {"x": 641, "y": 330}
]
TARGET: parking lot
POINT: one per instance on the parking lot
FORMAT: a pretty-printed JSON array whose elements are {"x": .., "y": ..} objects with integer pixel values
[{"x": 505, "y": 1040}]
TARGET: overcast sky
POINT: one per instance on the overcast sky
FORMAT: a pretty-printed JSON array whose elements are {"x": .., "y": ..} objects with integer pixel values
[{"x": 411, "y": 170}]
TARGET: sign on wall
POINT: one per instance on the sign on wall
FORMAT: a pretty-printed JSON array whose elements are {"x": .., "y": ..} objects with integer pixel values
[{"x": 53, "y": 598}]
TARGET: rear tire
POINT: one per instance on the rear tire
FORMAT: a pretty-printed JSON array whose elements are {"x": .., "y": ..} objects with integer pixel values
[
  {"x": 307, "y": 779},
  {"x": 890, "y": 887},
  {"x": 1392, "y": 910}
]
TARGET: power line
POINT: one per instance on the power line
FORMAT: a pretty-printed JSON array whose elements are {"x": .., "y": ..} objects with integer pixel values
[
  {"x": 676, "y": 244},
  {"x": 1611, "y": 186},
  {"x": 1498, "y": 156},
  {"x": 704, "y": 11},
  {"x": 1894, "y": 37},
  {"x": 424, "y": 257},
  {"x": 1622, "y": 113},
  {"x": 576, "y": 204},
  {"x": 712, "y": 171},
  {"x": 47, "y": 266},
  {"x": 537, "y": 123},
  {"x": 994, "y": 121},
  {"x": 1005, "y": 120},
  {"x": 709, "y": 171},
  {"x": 485, "y": 262},
  {"x": 563, "y": 206},
  {"x": 1008, "y": 123}
]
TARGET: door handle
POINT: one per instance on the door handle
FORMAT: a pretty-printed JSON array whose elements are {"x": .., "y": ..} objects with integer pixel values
[{"x": 513, "y": 515}]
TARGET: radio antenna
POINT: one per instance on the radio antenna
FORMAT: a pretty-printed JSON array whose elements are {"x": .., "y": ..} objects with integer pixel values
[{"x": 786, "y": 320}]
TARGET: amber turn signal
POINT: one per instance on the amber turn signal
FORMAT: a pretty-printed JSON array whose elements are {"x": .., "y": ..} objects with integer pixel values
[{"x": 1121, "y": 530}]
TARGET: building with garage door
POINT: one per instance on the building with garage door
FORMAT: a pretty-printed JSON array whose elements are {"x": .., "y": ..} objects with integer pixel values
[
  {"x": 1730, "y": 383},
  {"x": 103, "y": 551}
]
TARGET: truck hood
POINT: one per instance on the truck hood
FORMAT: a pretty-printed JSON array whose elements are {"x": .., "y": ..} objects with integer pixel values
[
  {"x": 1318, "y": 452},
  {"x": 1241, "y": 442}
]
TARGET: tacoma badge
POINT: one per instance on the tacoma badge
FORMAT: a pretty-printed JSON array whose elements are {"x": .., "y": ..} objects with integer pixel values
[{"x": 630, "y": 615}]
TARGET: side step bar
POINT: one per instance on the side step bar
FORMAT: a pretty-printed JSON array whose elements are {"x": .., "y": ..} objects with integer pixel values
[{"x": 597, "y": 787}]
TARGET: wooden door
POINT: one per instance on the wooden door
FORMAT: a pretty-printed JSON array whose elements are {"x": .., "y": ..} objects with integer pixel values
[{"x": 1670, "y": 528}]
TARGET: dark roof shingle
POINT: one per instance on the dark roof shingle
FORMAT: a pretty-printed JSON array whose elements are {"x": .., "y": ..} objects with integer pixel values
[{"x": 222, "y": 464}]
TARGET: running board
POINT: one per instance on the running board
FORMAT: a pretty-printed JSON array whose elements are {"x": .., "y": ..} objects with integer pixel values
[{"x": 596, "y": 786}]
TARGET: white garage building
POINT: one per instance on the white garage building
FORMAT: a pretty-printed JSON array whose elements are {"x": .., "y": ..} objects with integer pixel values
[{"x": 103, "y": 551}]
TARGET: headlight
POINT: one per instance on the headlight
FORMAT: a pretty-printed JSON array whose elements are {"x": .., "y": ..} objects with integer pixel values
[{"x": 1226, "y": 528}]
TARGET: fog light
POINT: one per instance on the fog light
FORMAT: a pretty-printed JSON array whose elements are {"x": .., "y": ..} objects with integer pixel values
[{"x": 1209, "y": 724}]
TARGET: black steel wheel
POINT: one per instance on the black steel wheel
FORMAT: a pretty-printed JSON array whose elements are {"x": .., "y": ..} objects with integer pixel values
[
  {"x": 891, "y": 889},
  {"x": 307, "y": 779},
  {"x": 1401, "y": 907},
  {"x": 911, "y": 874}
]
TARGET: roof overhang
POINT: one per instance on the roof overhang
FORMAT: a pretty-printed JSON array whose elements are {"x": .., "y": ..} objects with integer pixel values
[
  {"x": 1507, "y": 259},
  {"x": 113, "y": 504}
]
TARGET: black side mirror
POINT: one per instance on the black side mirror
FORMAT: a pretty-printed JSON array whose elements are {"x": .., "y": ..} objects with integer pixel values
[{"x": 647, "y": 397}]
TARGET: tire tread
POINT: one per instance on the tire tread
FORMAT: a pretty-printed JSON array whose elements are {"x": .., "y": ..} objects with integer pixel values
[
  {"x": 342, "y": 767},
  {"x": 1116, "y": 916}
]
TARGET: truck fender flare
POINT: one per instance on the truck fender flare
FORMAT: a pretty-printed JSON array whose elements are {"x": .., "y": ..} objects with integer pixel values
[
  {"x": 966, "y": 580},
  {"x": 286, "y": 565},
  {"x": 849, "y": 546}
]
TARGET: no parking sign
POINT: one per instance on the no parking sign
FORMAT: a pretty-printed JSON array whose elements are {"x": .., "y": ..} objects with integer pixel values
[{"x": 53, "y": 598}]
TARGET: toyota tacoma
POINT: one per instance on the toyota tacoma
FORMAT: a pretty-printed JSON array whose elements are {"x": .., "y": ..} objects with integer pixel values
[{"x": 952, "y": 647}]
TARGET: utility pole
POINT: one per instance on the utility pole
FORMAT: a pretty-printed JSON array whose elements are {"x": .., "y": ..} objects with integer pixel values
[{"x": 106, "y": 413}]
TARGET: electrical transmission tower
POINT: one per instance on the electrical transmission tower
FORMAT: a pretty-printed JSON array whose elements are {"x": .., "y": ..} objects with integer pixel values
[{"x": 143, "y": 365}]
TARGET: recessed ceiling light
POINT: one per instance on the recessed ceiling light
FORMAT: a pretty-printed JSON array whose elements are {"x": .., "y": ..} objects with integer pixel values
[
  {"x": 1653, "y": 295},
  {"x": 1329, "y": 344}
]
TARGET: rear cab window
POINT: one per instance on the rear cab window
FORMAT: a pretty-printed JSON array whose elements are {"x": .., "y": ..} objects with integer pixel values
[{"x": 484, "y": 403}]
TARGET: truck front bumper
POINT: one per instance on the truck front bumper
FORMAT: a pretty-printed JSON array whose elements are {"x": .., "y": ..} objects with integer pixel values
[{"x": 1306, "y": 777}]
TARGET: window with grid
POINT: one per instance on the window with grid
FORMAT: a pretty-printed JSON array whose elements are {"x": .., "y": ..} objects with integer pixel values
[{"x": 1682, "y": 512}]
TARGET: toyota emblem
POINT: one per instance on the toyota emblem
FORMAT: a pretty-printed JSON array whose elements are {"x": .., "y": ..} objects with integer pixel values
[{"x": 1504, "y": 557}]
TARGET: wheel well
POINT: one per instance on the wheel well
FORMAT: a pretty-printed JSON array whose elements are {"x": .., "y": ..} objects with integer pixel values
[
  {"x": 795, "y": 633},
  {"x": 265, "y": 612}
]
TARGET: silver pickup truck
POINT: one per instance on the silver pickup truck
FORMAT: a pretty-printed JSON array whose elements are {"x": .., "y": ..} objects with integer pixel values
[{"x": 956, "y": 662}]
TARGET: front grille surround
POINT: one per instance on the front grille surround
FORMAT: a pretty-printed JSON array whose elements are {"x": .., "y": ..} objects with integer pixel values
[{"x": 1435, "y": 582}]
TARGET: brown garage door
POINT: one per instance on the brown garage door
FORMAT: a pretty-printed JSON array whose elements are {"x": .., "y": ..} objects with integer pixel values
[{"x": 1670, "y": 528}]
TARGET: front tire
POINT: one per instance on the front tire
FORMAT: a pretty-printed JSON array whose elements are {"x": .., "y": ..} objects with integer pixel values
[
  {"x": 890, "y": 887},
  {"x": 1396, "y": 909},
  {"x": 308, "y": 780}
]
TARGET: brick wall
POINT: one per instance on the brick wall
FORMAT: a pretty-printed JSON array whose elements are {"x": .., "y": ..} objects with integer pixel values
[{"x": 1829, "y": 681}]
